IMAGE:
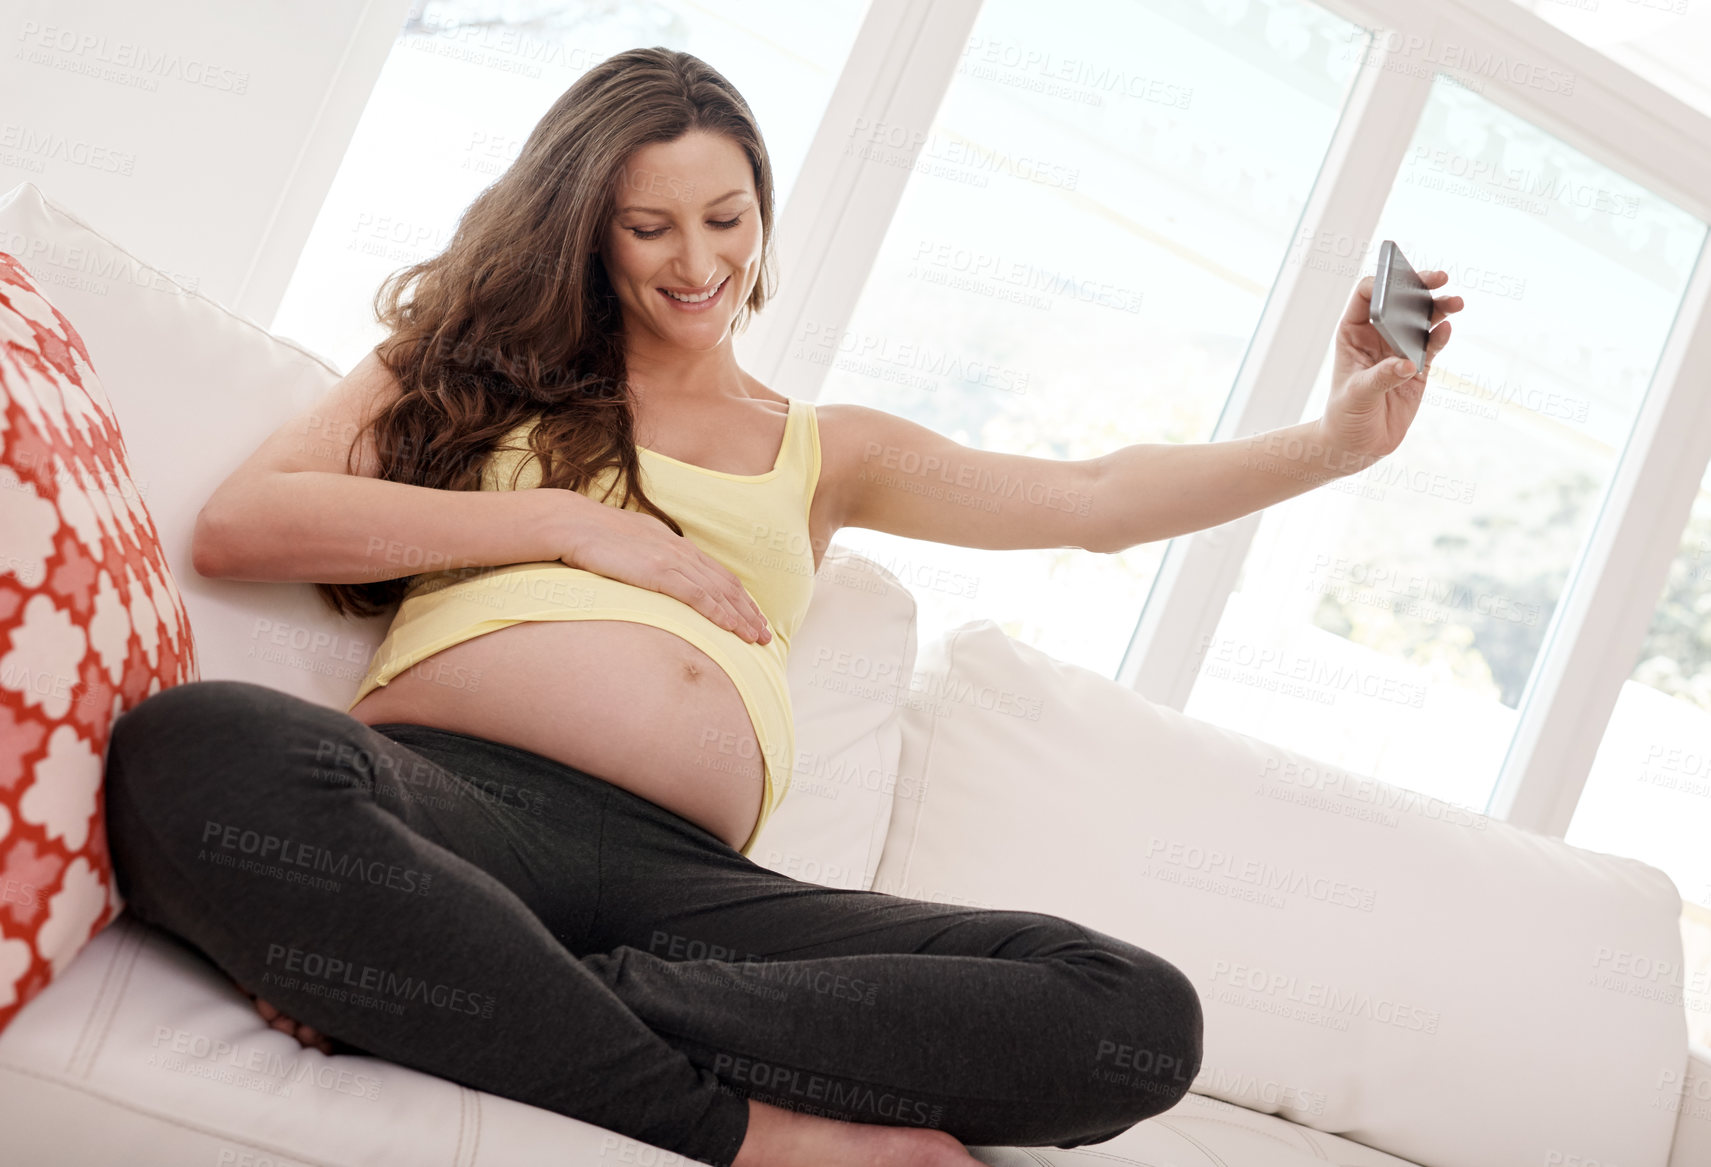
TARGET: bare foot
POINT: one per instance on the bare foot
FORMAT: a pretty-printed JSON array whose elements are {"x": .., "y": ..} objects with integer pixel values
[
  {"x": 778, "y": 1137},
  {"x": 306, "y": 1036}
]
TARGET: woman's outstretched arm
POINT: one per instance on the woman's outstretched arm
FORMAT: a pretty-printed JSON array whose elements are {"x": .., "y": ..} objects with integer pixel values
[
  {"x": 889, "y": 474},
  {"x": 1374, "y": 397}
]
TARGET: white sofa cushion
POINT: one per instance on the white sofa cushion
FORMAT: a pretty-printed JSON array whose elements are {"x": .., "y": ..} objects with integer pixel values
[
  {"x": 1430, "y": 982},
  {"x": 197, "y": 388},
  {"x": 200, "y": 387},
  {"x": 830, "y": 829}
]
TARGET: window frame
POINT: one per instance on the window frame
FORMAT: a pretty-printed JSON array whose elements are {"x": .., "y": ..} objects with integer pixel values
[
  {"x": 373, "y": 38},
  {"x": 1618, "y": 119},
  {"x": 903, "y": 60}
]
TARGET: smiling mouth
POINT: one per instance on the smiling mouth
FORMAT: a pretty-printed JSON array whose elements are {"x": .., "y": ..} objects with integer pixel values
[{"x": 702, "y": 298}]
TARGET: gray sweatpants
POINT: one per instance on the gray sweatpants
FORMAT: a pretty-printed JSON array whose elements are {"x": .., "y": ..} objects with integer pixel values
[{"x": 488, "y": 915}]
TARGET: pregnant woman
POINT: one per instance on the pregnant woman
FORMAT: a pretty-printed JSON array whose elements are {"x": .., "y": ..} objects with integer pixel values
[{"x": 530, "y": 832}]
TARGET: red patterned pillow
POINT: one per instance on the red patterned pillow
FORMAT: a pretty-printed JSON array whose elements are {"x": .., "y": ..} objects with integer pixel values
[{"x": 90, "y": 624}]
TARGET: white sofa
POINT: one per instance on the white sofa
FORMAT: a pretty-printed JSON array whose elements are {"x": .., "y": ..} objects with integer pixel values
[{"x": 1387, "y": 980}]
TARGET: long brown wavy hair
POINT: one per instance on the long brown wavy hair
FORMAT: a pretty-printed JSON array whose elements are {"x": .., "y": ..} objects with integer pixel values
[{"x": 516, "y": 317}]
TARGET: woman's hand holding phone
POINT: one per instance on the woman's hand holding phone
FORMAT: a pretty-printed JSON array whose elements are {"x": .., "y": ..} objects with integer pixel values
[{"x": 1374, "y": 393}]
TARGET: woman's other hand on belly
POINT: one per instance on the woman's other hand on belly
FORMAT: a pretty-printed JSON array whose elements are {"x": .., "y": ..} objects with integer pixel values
[{"x": 636, "y": 548}]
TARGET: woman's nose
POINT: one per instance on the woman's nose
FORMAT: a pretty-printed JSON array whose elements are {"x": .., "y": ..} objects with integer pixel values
[{"x": 697, "y": 264}]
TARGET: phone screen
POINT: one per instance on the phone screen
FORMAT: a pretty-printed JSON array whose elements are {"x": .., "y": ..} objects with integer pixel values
[{"x": 1401, "y": 305}]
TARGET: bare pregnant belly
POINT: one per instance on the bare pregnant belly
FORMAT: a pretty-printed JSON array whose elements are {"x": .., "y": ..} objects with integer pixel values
[{"x": 633, "y": 704}]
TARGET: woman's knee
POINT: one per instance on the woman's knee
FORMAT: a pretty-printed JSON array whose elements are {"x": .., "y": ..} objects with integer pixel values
[
  {"x": 1146, "y": 1022},
  {"x": 1168, "y": 1022},
  {"x": 1151, "y": 1028},
  {"x": 192, "y": 741},
  {"x": 178, "y": 716}
]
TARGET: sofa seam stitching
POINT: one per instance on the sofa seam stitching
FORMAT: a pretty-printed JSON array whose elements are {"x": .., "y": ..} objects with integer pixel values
[
  {"x": 132, "y": 949},
  {"x": 83, "y": 1037}
]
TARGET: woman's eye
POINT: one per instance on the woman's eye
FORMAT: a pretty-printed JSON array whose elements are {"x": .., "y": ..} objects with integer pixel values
[{"x": 655, "y": 233}]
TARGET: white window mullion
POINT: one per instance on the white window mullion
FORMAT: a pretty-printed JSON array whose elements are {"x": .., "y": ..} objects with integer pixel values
[
  {"x": 1609, "y": 603},
  {"x": 1629, "y": 124},
  {"x": 829, "y": 235},
  {"x": 1330, "y": 252},
  {"x": 372, "y": 39}
]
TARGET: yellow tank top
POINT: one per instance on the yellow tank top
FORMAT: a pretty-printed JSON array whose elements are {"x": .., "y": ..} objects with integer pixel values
[{"x": 756, "y": 525}]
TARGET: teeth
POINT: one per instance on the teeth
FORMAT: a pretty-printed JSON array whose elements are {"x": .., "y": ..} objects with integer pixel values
[{"x": 696, "y": 299}]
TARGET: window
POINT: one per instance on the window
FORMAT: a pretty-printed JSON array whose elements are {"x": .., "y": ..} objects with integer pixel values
[
  {"x": 465, "y": 84},
  {"x": 1078, "y": 261},
  {"x": 1390, "y": 622},
  {"x": 1136, "y": 221}
]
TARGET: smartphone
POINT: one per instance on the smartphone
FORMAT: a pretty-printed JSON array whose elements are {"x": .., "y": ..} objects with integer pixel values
[{"x": 1401, "y": 305}]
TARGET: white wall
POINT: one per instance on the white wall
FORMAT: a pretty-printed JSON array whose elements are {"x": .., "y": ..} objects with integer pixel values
[{"x": 200, "y": 134}]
